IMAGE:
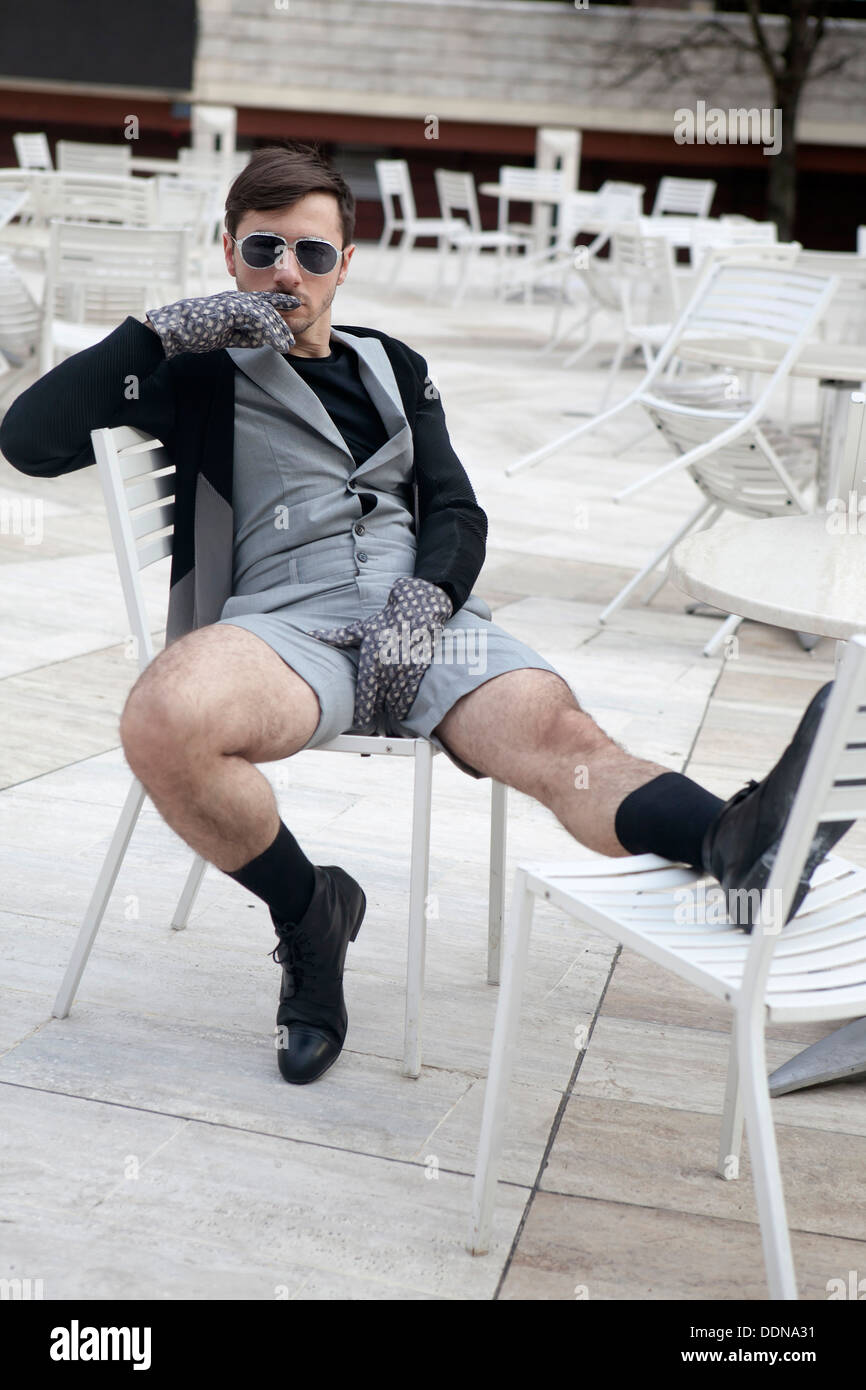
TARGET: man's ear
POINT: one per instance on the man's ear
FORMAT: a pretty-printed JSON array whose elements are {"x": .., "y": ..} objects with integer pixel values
[
  {"x": 348, "y": 253},
  {"x": 229, "y": 253}
]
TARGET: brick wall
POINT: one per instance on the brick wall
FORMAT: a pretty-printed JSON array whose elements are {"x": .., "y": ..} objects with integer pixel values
[{"x": 500, "y": 61}]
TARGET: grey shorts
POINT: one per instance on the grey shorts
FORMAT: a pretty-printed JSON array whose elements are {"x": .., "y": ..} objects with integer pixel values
[{"x": 473, "y": 650}]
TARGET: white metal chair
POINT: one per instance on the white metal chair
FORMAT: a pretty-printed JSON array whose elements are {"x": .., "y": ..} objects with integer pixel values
[
  {"x": 733, "y": 298},
  {"x": 395, "y": 184},
  {"x": 87, "y": 157},
  {"x": 97, "y": 275},
  {"x": 689, "y": 197},
  {"x": 82, "y": 197},
  {"x": 761, "y": 473},
  {"x": 544, "y": 188},
  {"x": 456, "y": 192},
  {"x": 643, "y": 275},
  {"x": 32, "y": 150},
  {"x": 812, "y": 969},
  {"x": 137, "y": 479},
  {"x": 20, "y": 329}
]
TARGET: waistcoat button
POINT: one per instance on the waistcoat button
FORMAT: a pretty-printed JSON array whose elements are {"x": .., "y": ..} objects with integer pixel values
[
  {"x": 360, "y": 528},
  {"x": 362, "y": 555}
]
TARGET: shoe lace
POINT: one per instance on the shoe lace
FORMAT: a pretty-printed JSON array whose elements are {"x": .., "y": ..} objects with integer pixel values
[{"x": 294, "y": 953}]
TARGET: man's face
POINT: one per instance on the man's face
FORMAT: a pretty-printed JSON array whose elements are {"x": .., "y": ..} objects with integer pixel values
[{"x": 316, "y": 214}]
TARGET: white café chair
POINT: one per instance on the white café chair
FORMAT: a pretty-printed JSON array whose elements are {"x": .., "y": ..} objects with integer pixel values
[
  {"x": 32, "y": 150},
  {"x": 88, "y": 157},
  {"x": 395, "y": 185},
  {"x": 456, "y": 192},
  {"x": 98, "y": 275},
  {"x": 137, "y": 479},
  {"x": 684, "y": 197},
  {"x": 812, "y": 969},
  {"x": 541, "y": 187},
  {"x": 734, "y": 297}
]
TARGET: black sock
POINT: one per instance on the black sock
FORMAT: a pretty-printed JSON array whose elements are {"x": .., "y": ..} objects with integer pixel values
[
  {"x": 668, "y": 816},
  {"x": 282, "y": 875}
]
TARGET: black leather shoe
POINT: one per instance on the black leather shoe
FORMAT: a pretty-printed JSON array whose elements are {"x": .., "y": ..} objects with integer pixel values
[
  {"x": 740, "y": 847},
  {"x": 311, "y": 1018}
]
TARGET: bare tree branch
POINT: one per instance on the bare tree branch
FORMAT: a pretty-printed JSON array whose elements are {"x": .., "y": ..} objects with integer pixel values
[{"x": 767, "y": 56}]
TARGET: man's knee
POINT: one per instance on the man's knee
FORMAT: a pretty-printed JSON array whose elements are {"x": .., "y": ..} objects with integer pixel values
[{"x": 219, "y": 689}]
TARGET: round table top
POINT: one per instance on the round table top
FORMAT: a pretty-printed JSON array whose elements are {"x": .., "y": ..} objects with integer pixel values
[
  {"x": 804, "y": 573},
  {"x": 503, "y": 190},
  {"x": 824, "y": 361}
]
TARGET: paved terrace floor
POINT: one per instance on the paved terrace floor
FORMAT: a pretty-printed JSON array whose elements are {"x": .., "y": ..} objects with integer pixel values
[{"x": 150, "y": 1148}]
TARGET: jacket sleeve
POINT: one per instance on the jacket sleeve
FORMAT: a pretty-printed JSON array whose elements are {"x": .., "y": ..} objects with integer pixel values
[
  {"x": 122, "y": 380},
  {"x": 452, "y": 535}
]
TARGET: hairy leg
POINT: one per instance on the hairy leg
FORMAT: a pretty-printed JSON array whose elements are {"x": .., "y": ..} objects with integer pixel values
[
  {"x": 205, "y": 710},
  {"x": 526, "y": 729}
]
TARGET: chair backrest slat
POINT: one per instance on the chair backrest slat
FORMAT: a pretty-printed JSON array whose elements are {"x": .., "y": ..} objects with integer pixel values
[
  {"x": 84, "y": 157},
  {"x": 127, "y": 451},
  {"x": 691, "y": 197},
  {"x": 32, "y": 150}
]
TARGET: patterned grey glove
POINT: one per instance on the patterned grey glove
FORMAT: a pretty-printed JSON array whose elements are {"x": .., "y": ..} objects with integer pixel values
[
  {"x": 233, "y": 318},
  {"x": 396, "y": 647}
]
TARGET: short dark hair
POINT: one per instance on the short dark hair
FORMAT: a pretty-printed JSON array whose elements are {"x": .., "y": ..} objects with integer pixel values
[{"x": 278, "y": 176}]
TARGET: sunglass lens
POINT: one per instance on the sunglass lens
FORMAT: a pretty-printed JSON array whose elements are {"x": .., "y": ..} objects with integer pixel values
[
  {"x": 261, "y": 251},
  {"x": 318, "y": 257}
]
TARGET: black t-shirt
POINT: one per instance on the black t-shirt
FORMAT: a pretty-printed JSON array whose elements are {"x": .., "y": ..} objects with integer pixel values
[{"x": 336, "y": 380}]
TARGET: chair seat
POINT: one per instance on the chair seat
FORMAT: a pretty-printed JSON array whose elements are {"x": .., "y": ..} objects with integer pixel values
[
  {"x": 434, "y": 226},
  {"x": 470, "y": 238},
  {"x": 676, "y": 917}
]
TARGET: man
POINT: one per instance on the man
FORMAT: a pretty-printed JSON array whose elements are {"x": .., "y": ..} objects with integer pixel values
[{"x": 298, "y": 571}]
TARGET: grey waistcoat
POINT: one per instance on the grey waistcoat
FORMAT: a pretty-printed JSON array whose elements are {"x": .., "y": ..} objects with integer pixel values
[{"x": 299, "y": 527}]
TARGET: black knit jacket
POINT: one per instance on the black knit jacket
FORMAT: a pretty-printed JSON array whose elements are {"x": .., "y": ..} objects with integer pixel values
[{"x": 188, "y": 403}]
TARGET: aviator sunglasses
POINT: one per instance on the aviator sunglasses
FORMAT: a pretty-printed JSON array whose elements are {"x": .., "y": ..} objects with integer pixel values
[{"x": 261, "y": 250}]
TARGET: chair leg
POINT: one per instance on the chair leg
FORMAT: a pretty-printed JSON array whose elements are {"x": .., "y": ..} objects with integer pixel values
[
  {"x": 469, "y": 258},
  {"x": 419, "y": 875},
  {"x": 498, "y": 829},
  {"x": 722, "y": 633},
  {"x": 188, "y": 896},
  {"x": 656, "y": 560},
  {"x": 764, "y": 1157},
  {"x": 612, "y": 374},
  {"x": 406, "y": 244},
  {"x": 731, "y": 1139},
  {"x": 501, "y": 1065},
  {"x": 99, "y": 898}
]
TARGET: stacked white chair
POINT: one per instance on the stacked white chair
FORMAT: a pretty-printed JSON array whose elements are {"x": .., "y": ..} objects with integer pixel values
[{"x": 137, "y": 479}]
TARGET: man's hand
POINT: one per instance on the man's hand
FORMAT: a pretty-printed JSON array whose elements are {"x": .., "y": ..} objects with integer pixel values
[
  {"x": 233, "y": 318},
  {"x": 396, "y": 647}
]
